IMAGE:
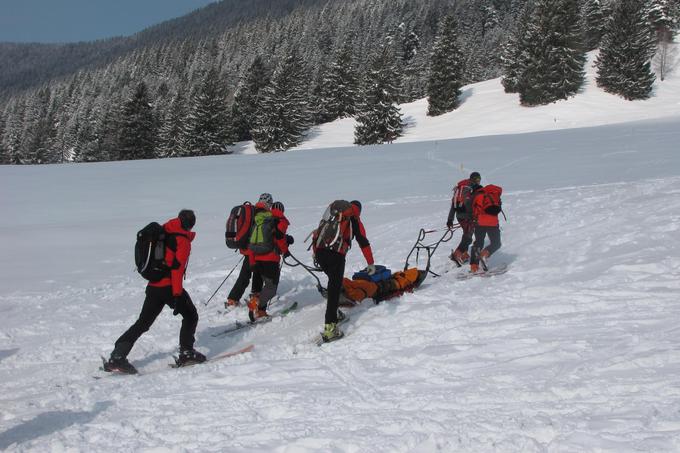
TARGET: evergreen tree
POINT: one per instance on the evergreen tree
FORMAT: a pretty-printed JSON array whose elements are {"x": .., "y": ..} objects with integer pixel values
[
  {"x": 338, "y": 89},
  {"x": 36, "y": 144},
  {"x": 446, "y": 71},
  {"x": 137, "y": 131},
  {"x": 551, "y": 57},
  {"x": 14, "y": 133},
  {"x": 379, "y": 118},
  {"x": 172, "y": 133},
  {"x": 284, "y": 114},
  {"x": 624, "y": 62},
  {"x": 247, "y": 99},
  {"x": 663, "y": 17},
  {"x": 593, "y": 19},
  {"x": 511, "y": 58},
  {"x": 209, "y": 128}
]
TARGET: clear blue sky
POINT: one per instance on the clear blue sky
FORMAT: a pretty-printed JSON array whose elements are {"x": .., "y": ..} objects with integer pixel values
[{"x": 85, "y": 20}]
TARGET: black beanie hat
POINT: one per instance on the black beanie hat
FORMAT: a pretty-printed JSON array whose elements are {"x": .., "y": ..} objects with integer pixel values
[
  {"x": 475, "y": 175},
  {"x": 187, "y": 218}
]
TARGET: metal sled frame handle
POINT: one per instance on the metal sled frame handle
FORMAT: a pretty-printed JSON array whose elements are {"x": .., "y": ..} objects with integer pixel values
[
  {"x": 430, "y": 248},
  {"x": 310, "y": 269}
]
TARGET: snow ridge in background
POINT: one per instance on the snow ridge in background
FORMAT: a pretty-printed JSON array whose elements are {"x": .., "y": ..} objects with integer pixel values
[{"x": 574, "y": 349}]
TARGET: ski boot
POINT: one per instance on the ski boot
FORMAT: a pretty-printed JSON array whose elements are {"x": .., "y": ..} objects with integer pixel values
[
  {"x": 119, "y": 365},
  {"x": 256, "y": 312},
  {"x": 231, "y": 303},
  {"x": 483, "y": 257},
  {"x": 189, "y": 357},
  {"x": 459, "y": 257},
  {"x": 331, "y": 332}
]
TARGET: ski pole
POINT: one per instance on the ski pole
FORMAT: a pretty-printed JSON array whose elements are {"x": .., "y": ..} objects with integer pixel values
[{"x": 205, "y": 304}]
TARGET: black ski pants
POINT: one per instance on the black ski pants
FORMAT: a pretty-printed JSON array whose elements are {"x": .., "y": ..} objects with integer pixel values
[
  {"x": 481, "y": 232},
  {"x": 156, "y": 299},
  {"x": 244, "y": 279},
  {"x": 269, "y": 272},
  {"x": 468, "y": 229},
  {"x": 333, "y": 265}
]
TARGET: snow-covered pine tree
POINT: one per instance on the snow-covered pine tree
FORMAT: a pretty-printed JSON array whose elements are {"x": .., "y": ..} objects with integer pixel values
[
  {"x": 284, "y": 114},
  {"x": 339, "y": 87},
  {"x": 593, "y": 19},
  {"x": 664, "y": 16},
  {"x": 551, "y": 55},
  {"x": 446, "y": 70},
  {"x": 624, "y": 62},
  {"x": 511, "y": 58},
  {"x": 208, "y": 123},
  {"x": 379, "y": 118},
  {"x": 36, "y": 144},
  {"x": 247, "y": 99},
  {"x": 172, "y": 131},
  {"x": 137, "y": 131}
]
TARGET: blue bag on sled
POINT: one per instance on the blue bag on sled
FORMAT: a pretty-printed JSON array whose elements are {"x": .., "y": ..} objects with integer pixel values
[{"x": 381, "y": 273}]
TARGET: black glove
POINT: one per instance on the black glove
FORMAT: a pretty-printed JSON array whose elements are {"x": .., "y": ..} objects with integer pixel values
[
  {"x": 290, "y": 240},
  {"x": 493, "y": 210},
  {"x": 449, "y": 223},
  {"x": 176, "y": 301}
]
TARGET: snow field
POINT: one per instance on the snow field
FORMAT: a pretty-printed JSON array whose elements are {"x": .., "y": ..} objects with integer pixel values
[{"x": 574, "y": 349}]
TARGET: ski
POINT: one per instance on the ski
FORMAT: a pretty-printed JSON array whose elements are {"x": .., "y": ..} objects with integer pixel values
[
  {"x": 493, "y": 271},
  {"x": 239, "y": 325},
  {"x": 248, "y": 348}
]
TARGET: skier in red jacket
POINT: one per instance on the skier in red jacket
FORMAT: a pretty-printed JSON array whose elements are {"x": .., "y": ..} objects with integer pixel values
[
  {"x": 167, "y": 291},
  {"x": 486, "y": 206},
  {"x": 461, "y": 208},
  {"x": 331, "y": 258},
  {"x": 246, "y": 272},
  {"x": 265, "y": 260}
]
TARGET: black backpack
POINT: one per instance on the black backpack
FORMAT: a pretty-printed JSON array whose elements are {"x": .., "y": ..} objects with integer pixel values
[
  {"x": 239, "y": 225},
  {"x": 152, "y": 240}
]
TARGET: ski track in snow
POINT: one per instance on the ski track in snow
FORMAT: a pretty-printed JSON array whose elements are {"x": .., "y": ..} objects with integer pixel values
[{"x": 573, "y": 349}]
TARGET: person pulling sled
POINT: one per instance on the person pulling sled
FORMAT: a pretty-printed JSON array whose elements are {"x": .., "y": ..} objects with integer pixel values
[
  {"x": 331, "y": 241},
  {"x": 461, "y": 209}
]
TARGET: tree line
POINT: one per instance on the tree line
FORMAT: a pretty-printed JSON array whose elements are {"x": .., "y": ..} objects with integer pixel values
[{"x": 270, "y": 79}]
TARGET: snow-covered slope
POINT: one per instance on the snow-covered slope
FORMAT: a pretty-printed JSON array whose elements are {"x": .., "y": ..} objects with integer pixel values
[
  {"x": 487, "y": 110},
  {"x": 574, "y": 349}
]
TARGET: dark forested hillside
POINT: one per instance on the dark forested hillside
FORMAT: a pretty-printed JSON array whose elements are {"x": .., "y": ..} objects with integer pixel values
[
  {"x": 26, "y": 65},
  {"x": 72, "y": 102}
]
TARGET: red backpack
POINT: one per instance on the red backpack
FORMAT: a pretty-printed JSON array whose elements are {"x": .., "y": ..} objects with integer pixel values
[
  {"x": 461, "y": 193},
  {"x": 239, "y": 225},
  {"x": 491, "y": 199}
]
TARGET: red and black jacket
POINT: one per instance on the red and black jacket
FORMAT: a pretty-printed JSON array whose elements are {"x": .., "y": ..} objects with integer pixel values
[
  {"x": 178, "y": 258},
  {"x": 479, "y": 210},
  {"x": 354, "y": 229}
]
